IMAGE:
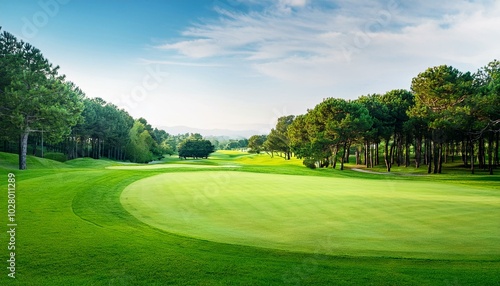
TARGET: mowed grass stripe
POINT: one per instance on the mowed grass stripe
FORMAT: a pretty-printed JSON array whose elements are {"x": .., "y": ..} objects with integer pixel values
[{"x": 359, "y": 217}]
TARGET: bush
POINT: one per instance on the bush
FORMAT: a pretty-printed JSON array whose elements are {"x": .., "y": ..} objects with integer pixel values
[
  {"x": 309, "y": 163},
  {"x": 254, "y": 151},
  {"x": 195, "y": 148}
]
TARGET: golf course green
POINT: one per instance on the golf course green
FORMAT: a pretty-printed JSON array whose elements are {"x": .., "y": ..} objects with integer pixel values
[
  {"x": 247, "y": 219},
  {"x": 298, "y": 213}
]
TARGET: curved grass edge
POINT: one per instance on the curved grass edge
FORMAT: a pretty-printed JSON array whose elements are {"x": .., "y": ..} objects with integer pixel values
[
  {"x": 56, "y": 247},
  {"x": 186, "y": 220}
]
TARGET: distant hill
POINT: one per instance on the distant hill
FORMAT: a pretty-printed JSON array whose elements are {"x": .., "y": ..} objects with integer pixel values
[{"x": 230, "y": 134}]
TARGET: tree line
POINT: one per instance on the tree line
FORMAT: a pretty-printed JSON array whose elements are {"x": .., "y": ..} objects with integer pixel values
[
  {"x": 447, "y": 113},
  {"x": 41, "y": 110}
]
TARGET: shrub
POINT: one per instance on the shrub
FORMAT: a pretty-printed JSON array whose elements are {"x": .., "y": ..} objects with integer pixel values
[{"x": 309, "y": 163}]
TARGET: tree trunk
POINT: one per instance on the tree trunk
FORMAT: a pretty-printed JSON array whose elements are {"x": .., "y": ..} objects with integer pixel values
[
  {"x": 400, "y": 150},
  {"x": 490, "y": 153},
  {"x": 386, "y": 156},
  {"x": 471, "y": 146},
  {"x": 429, "y": 148},
  {"x": 496, "y": 159},
  {"x": 464, "y": 151},
  {"x": 446, "y": 151},
  {"x": 82, "y": 141},
  {"x": 95, "y": 149},
  {"x": 347, "y": 153},
  {"x": 23, "y": 148},
  {"x": 435, "y": 155},
  {"x": 357, "y": 156},
  {"x": 377, "y": 158},
  {"x": 440, "y": 158},
  {"x": 343, "y": 157},
  {"x": 425, "y": 148},
  {"x": 76, "y": 147},
  {"x": 334, "y": 165},
  {"x": 19, "y": 143},
  {"x": 101, "y": 149},
  {"x": 418, "y": 151},
  {"x": 391, "y": 154},
  {"x": 480, "y": 153},
  {"x": 407, "y": 153},
  {"x": 453, "y": 148},
  {"x": 367, "y": 149}
]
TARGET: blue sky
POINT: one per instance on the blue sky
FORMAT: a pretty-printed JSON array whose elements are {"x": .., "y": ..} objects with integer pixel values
[{"x": 240, "y": 64}]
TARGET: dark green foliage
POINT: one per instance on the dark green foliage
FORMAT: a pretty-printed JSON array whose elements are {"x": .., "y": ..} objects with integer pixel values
[
  {"x": 447, "y": 113},
  {"x": 195, "y": 148},
  {"x": 102, "y": 132},
  {"x": 309, "y": 163},
  {"x": 278, "y": 140},
  {"x": 256, "y": 143},
  {"x": 331, "y": 127},
  {"x": 440, "y": 96},
  {"x": 34, "y": 96},
  {"x": 139, "y": 147}
]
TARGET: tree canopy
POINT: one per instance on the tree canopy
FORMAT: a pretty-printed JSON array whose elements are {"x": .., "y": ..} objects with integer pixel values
[
  {"x": 446, "y": 113},
  {"x": 195, "y": 148},
  {"x": 39, "y": 104},
  {"x": 34, "y": 96}
]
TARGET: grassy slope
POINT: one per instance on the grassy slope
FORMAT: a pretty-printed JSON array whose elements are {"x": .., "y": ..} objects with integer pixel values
[{"x": 74, "y": 231}]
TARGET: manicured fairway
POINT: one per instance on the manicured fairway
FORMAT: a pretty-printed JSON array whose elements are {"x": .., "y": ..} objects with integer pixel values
[
  {"x": 72, "y": 228},
  {"x": 166, "y": 166},
  {"x": 339, "y": 216}
]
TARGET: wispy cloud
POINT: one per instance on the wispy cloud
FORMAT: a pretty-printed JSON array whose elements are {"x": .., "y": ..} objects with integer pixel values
[
  {"x": 327, "y": 41},
  {"x": 178, "y": 63}
]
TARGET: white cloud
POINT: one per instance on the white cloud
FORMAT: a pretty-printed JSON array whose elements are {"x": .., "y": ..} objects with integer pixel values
[
  {"x": 199, "y": 48},
  {"x": 180, "y": 63},
  {"x": 346, "y": 42},
  {"x": 286, "y": 6},
  {"x": 293, "y": 3}
]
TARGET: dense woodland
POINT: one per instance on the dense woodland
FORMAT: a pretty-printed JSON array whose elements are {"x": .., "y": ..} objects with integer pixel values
[
  {"x": 43, "y": 112},
  {"x": 447, "y": 114}
]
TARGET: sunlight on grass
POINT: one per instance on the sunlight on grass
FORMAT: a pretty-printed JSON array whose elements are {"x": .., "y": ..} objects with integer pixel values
[
  {"x": 74, "y": 230},
  {"x": 266, "y": 160},
  {"x": 383, "y": 217},
  {"x": 167, "y": 166}
]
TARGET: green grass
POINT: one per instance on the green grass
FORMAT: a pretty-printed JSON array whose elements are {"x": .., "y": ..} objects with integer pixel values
[
  {"x": 10, "y": 162},
  {"x": 73, "y": 229},
  {"x": 358, "y": 218}
]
